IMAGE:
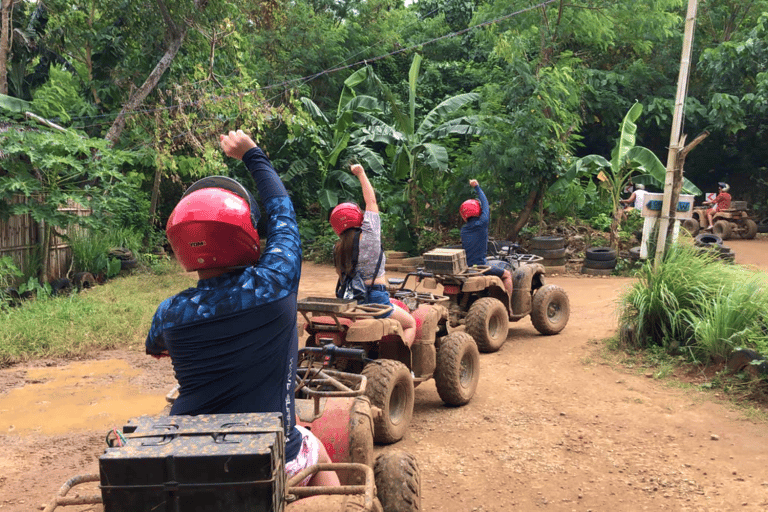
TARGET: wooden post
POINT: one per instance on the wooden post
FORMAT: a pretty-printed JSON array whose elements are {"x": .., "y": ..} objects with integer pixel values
[{"x": 675, "y": 143}]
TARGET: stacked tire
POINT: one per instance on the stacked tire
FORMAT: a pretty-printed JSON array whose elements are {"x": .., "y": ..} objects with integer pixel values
[
  {"x": 552, "y": 249},
  {"x": 599, "y": 261},
  {"x": 762, "y": 225},
  {"x": 707, "y": 242}
]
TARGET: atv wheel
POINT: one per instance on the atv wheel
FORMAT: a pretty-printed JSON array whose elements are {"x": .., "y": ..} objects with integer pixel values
[
  {"x": 398, "y": 482},
  {"x": 722, "y": 228},
  {"x": 550, "y": 309},
  {"x": 458, "y": 368},
  {"x": 390, "y": 388},
  {"x": 360, "y": 440},
  {"x": 487, "y": 322},
  {"x": 750, "y": 229},
  {"x": 691, "y": 226}
]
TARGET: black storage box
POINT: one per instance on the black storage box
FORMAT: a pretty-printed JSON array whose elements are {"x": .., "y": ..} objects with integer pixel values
[{"x": 206, "y": 463}]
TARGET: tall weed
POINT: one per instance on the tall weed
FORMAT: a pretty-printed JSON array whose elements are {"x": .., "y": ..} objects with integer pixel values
[{"x": 695, "y": 300}]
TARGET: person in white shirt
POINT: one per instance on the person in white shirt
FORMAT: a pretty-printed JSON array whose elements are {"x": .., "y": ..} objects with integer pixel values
[{"x": 635, "y": 201}]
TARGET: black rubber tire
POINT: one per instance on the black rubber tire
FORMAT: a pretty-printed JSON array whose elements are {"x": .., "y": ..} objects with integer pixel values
[
  {"x": 550, "y": 309},
  {"x": 723, "y": 249},
  {"x": 596, "y": 271},
  {"x": 488, "y": 323},
  {"x": 722, "y": 228},
  {"x": 458, "y": 368},
  {"x": 762, "y": 225},
  {"x": 547, "y": 242},
  {"x": 708, "y": 238},
  {"x": 128, "y": 264},
  {"x": 61, "y": 286},
  {"x": 556, "y": 262},
  {"x": 390, "y": 388},
  {"x": 741, "y": 358},
  {"x": 549, "y": 253},
  {"x": 691, "y": 226},
  {"x": 634, "y": 253},
  {"x": 750, "y": 229},
  {"x": 84, "y": 280},
  {"x": 398, "y": 482},
  {"x": 121, "y": 253},
  {"x": 600, "y": 264},
  {"x": 600, "y": 254}
]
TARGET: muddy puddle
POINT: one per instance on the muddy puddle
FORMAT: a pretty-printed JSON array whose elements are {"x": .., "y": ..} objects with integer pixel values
[{"x": 79, "y": 396}]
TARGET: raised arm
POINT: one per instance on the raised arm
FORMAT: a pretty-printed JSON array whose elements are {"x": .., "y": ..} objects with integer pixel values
[
  {"x": 369, "y": 195},
  {"x": 485, "y": 211}
]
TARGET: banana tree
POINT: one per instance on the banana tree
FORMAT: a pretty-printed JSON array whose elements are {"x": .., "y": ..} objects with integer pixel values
[
  {"x": 627, "y": 160},
  {"x": 333, "y": 141},
  {"x": 414, "y": 147}
]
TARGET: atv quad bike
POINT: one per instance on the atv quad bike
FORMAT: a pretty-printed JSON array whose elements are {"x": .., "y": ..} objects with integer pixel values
[
  {"x": 480, "y": 302},
  {"x": 727, "y": 223},
  {"x": 330, "y": 403},
  {"x": 393, "y": 369}
]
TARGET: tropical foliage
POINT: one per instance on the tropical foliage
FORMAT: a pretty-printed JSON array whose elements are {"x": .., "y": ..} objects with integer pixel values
[{"x": 426, "y": 95}]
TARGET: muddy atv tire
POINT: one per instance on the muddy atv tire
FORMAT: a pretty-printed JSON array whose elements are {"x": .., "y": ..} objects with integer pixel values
[
  {"x": 360, "y": 440},
  {"x": 550, "y": 309},
  {"x": 390, "y": 388},
  {"x": 458, "y": 368},
  {"x": 487, "y": 322},
  {"x": 691, "y": 226},
  {"x": 750, "y": 229},
  {"x": 398, "y": 482},
  {"x": 722, "y": 228}
]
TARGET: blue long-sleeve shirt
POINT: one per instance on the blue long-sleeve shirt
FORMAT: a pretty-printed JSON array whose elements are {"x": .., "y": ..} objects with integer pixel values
[
  {"x": 474, "y": 233},
  {"x": 232, "y": 338}
]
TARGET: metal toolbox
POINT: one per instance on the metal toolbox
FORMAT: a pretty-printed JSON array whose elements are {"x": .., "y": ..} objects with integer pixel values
[
  {"x": 445, "y": 261},
  {"x": 205, "y": 463}
]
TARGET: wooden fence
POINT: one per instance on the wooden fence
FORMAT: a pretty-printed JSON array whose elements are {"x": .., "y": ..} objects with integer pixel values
[{"x": 20, "y": 236}]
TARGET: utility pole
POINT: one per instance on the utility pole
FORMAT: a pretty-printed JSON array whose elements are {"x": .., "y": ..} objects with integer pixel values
[{"x": 676, "y": 138}]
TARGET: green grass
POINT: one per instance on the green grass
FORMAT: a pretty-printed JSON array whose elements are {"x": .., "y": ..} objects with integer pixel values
[
  {"x": 696, "y": 303},
  {"x": 114, "y": 315}
]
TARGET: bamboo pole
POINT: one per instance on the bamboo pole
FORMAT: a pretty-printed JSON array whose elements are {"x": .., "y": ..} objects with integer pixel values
[{"x": 675, "y": 137}]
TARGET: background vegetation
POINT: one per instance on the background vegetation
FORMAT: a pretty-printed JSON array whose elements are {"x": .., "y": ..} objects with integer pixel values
[{"x": 515, "y": 94}]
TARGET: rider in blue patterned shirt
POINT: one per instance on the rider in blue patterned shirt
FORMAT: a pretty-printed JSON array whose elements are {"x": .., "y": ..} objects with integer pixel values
[{"x": 232, "y": 339}]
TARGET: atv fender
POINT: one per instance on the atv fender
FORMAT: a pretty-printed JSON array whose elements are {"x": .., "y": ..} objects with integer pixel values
[
  {"x": 525, "y": 280},
  {"x": 373, "y": 329}
]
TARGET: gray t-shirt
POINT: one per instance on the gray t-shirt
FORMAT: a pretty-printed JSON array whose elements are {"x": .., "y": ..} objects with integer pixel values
[{"x": 370, "y": 246}]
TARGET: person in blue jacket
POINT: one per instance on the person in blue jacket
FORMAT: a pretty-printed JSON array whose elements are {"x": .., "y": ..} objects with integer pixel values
[
  {"x": 232, "y": 338},
  {"x": 474, "y": 234}
]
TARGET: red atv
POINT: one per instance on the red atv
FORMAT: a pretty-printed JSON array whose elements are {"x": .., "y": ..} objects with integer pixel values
[
  {"x": 392, "y": 369},
  {"x": 235, "y": 462}
]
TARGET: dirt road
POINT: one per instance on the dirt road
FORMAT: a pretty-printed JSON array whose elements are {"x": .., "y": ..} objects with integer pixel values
[{"x": 552, "y": 427}]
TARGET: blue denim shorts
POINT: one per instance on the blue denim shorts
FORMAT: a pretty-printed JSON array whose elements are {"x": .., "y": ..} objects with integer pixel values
[{"x": 377, "y": 294}]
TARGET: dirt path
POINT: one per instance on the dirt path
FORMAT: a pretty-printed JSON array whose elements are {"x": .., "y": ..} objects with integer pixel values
[{"x": 552, "y": 427}]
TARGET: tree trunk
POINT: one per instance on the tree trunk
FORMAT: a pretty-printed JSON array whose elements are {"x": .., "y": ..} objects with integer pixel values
[
  {"x": 522, "y": 219},
  {"x": 175, "y": 38},
  {"x": 149, "y": 84},
  {"x": 5, "y": 43}
]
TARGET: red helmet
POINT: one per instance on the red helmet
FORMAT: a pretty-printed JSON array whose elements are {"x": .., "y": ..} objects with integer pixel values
[
  {"x": 345, "y": 216},
  {"x": 214, "y": 225},
  {"x": 469, "y": 208}
]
